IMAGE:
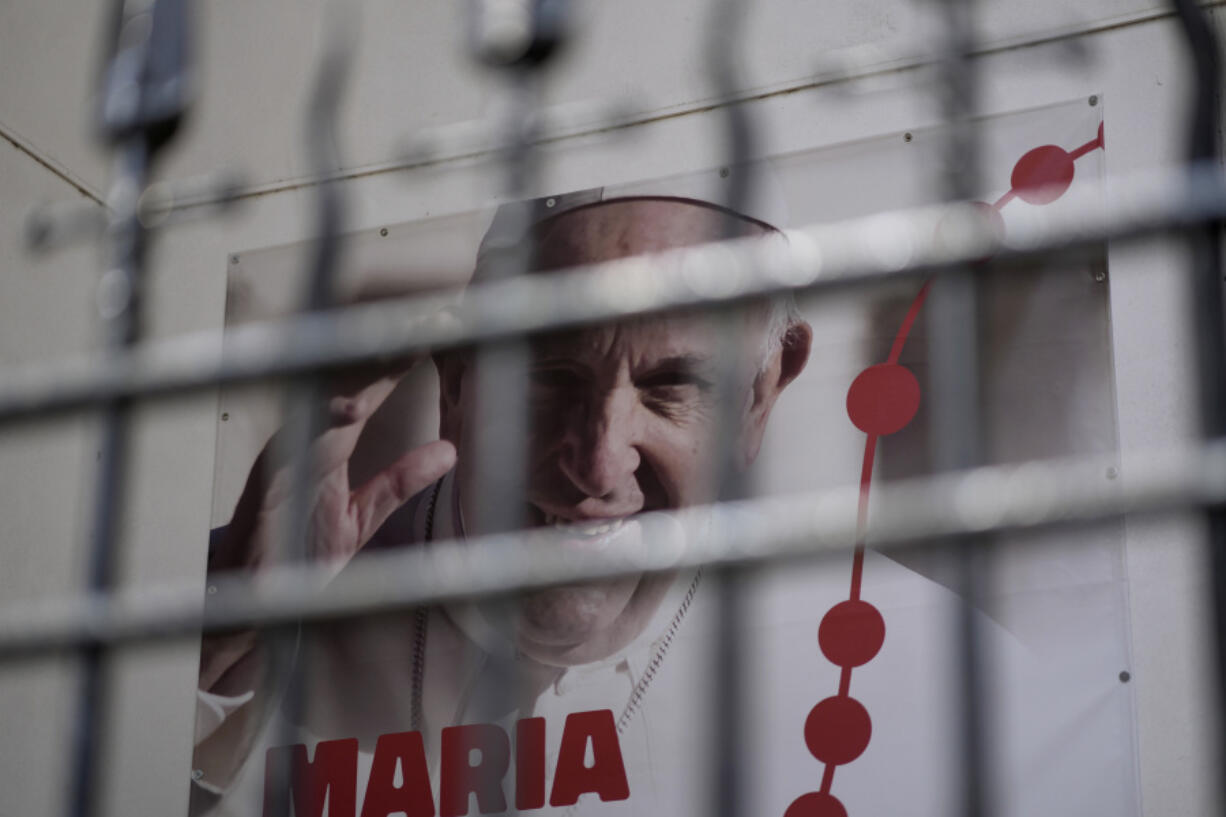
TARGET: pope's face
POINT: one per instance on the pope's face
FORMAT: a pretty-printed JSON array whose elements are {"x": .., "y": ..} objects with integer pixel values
[{"x": 623, "y": 419}]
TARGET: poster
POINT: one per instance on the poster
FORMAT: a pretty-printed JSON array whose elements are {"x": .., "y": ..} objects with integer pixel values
[{"x": 597, "y": 699}]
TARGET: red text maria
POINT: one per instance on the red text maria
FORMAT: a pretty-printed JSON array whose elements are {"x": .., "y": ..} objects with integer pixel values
[{"x": 400, "y": 781}]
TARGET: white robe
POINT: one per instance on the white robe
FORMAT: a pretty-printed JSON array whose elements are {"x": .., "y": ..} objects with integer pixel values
[{"x": 1051, "y": 756}]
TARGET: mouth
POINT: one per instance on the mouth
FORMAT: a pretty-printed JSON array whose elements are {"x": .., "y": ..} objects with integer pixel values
[{"x": 589, "y": 534}]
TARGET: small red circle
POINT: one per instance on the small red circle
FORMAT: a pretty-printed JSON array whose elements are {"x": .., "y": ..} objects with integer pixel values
[
  {"x": 1043, "y": 174},
  {"x": 851, "y": 633},
  {"x": 883, "y": 398},
  {"x": 815, "y": 804},
  {"x": 838, "y": 730}
]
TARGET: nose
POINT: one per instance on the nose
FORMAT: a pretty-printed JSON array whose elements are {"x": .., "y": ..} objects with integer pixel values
[{"x": 600, "y": 452}]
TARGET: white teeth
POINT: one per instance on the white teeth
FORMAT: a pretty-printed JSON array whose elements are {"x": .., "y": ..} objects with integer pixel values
[{"x": 592, "y": 527}]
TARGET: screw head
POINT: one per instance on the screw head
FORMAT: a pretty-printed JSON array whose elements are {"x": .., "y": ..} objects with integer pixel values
[
  {"x": 383, "y": 232},
  {"x": 234, "y": 259},
  {"x": 1093, "y": 100},
  {"x": 1125, "y": 676},
  {"x": 225, "y": 415},
  {"x": 724, "y": 172},
  {"x": 1100, "y": 276},
  {"x": 906, "y": 137},
  {"x": 551, "y": 202}
]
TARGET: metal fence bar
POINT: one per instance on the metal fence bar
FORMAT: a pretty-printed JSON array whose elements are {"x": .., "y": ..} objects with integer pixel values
[
  {"x": 143, "y": 96},
  {"x": 955, "y": 426},
  {"x": 818, "y": 259},
  {"x": 305, "y": 397},
  {"x": 996, "y": 499},
  {"x": 1206, "y": 293},
  {"x": 725, "y": 782},
  {"x": 964, "y": 503}
]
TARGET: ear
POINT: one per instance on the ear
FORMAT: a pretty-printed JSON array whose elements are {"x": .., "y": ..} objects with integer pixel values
[
  {"x": 784, "y": 365},
  {"x": 452, "y": 367}
]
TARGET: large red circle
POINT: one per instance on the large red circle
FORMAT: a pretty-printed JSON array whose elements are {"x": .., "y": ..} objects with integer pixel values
[
  {"x": 815, "y": 804},
  {"x": 838, "y": 730},
  {"x": 851, "y": 633},
  {"x": 883, "y": 398},
  {"x": 1043, "y": 174}
]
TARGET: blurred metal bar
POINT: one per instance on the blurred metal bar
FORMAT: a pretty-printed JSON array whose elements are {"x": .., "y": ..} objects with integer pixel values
[
  {"x": 305, "y": 396},
  {"x": 996, "y": 499},
  {"x": 124, "y": 282},
  {"x": 143, "y": 95},
  {"x": 725, "y": 782},
  {"x": 1206, "y": 294},
  {"x": 859, "y": 252},
  {"x": 516, "y": 38},
  {"x": 956, "y": 430}
]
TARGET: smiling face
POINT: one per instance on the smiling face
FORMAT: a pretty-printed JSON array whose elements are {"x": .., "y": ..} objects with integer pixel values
[{"x": 623, "y": 419}]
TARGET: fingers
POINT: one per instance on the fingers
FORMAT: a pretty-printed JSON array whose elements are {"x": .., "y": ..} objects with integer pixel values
[
  {"x": 375, "y": 501},
  {"x": 356, "y": 397}
]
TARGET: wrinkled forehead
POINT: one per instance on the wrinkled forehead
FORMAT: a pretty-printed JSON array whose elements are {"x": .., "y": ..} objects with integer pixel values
[
  {"x": 690, "y": 333},
  {"x": 615, "y": 229}
]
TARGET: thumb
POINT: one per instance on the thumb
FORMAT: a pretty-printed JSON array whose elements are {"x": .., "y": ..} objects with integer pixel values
[{"x": 387, "y": 490}]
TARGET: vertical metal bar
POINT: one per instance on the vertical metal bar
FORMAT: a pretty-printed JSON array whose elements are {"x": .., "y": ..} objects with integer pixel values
[
  {"x": 1206, "y": 294},
  {"x": 956, "y": 431},
  {"x": 144, "y": 93},
  {"x": 517, "y": 38},
  {"x": 119, "y": 306},
  {"x": 501, "y": 382},
  {"x": 305, "y": 396},
  {"x": 727, "y": 784}
]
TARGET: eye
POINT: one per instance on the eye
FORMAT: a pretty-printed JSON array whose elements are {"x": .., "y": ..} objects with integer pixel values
[{"x": 674, "y": 393}]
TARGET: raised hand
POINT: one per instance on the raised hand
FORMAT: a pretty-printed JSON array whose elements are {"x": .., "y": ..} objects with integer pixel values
[{"x": 341, "y": 518}]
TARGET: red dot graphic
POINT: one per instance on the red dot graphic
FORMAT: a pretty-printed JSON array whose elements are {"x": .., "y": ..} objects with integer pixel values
[
  {"x": 1043, "y": 174},
  {"x": 815, "y": 804},
  {"x": 883, "y": 398},
  {"x": 851, "y": 633},
  {"x": 837, "y": 730}
]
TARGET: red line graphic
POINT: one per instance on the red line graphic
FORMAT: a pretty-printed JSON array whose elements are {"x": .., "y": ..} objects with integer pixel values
[{"x": 882, "y": 400}]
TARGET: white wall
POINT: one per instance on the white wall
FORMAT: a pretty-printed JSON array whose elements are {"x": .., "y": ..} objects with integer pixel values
[{"x": 411, "y": 74}]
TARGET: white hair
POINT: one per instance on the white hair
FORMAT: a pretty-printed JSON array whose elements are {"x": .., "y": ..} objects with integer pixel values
[{"x": 782, "y": 319}]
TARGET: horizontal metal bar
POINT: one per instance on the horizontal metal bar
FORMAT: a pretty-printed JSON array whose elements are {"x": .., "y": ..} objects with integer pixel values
[
  {"x": 857, "y": 252},
  {"x": 993, "y": 499}
]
